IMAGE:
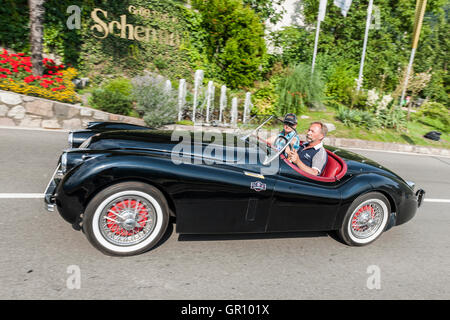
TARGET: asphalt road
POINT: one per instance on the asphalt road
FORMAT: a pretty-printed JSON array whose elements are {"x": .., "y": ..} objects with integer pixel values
[{"x": 42, "y": 256}]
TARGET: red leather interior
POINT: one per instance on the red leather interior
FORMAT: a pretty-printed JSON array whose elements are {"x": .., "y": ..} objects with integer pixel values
[{"x": 332, "y": 168}]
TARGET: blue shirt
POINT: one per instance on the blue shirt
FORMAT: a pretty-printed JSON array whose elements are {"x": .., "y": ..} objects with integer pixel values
[{"x": 294, "y": 144}]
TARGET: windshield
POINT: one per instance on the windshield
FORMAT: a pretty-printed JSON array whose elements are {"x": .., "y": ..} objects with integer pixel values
[{"x": 270, "y": 134}]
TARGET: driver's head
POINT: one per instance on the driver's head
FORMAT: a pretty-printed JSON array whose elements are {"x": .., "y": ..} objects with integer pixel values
[
  {"x": 316, "y": 132},
  {"x": 290, "y": 122}
]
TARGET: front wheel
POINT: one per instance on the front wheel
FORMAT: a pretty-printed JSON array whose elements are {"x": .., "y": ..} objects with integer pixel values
[
  {"x": 365, "y": 219},
  {"x": 126, "y": 219}
]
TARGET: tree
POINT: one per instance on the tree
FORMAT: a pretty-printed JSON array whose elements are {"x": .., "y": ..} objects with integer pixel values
[
  {"x": 266, "y": 9},
  {"x": 235, "y": 40},
  {"x": 37, "y": 12},
  {"x": 389, "y": 44}
]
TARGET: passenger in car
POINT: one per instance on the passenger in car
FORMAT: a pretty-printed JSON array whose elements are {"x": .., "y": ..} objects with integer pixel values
[
  {"x": 311, "y": 156},
  {"x": 288, "y": 131}
]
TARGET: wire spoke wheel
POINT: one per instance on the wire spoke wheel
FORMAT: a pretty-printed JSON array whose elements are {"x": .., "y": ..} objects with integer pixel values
[
  {"x": 365, "y": 219},
  {"x": 127, "y": 220}
]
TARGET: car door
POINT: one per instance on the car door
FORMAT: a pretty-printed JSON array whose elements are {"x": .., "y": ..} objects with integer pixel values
[
  {"x": 302, "y": 204},
  {"x": 222, "y": 198}
]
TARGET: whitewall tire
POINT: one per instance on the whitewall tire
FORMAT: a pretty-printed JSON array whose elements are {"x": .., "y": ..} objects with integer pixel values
[{"x": 126, "y": 219}]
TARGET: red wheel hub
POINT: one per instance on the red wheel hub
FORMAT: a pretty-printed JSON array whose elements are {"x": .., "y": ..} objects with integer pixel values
[{"x": 116, "y": 218}]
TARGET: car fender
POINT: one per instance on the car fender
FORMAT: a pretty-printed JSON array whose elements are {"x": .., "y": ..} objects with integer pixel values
[
  {"x": 84, "y": 181},
  {"x": 363, "y": 183}
]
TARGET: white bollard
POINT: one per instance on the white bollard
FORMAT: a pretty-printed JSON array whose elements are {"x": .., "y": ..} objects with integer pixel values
[
  {"x": 181, "y": 98},
  {"x": 209, "y": 100},
  {"x": 198, "y": 78},
  {"x": 223, "y": 102}
]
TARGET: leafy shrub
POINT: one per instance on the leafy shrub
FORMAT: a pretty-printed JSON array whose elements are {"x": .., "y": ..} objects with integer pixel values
[
  {"x": 435, "y": 115},
  {"x": 341, "y": 83},
  {"x": 157, "y": 105},
  {"x": 113, "y": 97},
  {"x": 299, "y": 90},
  {"x": 393, "y": 118},
  {"x": 358, "y": 118},
  {"x": 111, "y": 101},
  {"x": 120, "y": 85}
]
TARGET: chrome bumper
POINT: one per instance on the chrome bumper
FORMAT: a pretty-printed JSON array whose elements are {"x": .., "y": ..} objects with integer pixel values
[
  {"x": 420, "y": 194},
  {"x": 49, "y": 195}
]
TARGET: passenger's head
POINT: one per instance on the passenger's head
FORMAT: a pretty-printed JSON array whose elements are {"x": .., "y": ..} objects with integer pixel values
[
  {"x": 290, "y": 122},
  {"x": 316, "y": 132}
]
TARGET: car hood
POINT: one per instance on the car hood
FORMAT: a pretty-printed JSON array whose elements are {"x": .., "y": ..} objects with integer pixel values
[
  {"x": 227, "y": 147},
  {"x": 159, "y": 139}
]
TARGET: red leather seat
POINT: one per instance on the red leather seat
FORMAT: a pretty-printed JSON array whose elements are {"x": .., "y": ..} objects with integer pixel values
[{"x": 332, "y": 168}]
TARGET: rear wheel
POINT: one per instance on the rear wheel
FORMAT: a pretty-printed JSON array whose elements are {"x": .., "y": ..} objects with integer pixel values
[
  {"x": 126, "y": 219},
  {"x": 366, "y": 219}
]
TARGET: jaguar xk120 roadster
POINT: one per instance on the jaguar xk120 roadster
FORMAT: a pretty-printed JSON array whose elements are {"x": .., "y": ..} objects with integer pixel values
[{"x": 121, "y": 184}]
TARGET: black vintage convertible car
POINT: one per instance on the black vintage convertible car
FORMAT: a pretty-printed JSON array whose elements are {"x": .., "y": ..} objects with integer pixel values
[{"x": 121, "y": 183}]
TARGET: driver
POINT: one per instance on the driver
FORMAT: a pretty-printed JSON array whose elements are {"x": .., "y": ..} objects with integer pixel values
[{"x": 311, "y": 156}]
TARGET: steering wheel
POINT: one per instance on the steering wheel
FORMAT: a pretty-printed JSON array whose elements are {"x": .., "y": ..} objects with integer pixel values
[{"x": 280, "y": 139}]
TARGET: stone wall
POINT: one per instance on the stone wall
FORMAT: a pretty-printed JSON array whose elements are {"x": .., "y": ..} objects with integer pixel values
[{"x": 32, "y": 112}]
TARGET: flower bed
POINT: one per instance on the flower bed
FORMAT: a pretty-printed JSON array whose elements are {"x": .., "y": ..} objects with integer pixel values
[{"x": 55, "y": 83}]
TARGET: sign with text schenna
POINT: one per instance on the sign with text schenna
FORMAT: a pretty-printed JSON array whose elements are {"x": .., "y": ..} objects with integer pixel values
[
  {"x": 125, "y": 29},
  {"x": 130, "y": 36}
]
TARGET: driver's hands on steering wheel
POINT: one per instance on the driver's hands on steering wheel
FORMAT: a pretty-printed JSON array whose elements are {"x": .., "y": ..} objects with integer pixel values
[{"x": 293, "y": 156}]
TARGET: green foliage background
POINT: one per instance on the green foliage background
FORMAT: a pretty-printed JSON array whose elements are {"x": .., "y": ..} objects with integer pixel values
[
  {"x": 236, "y": 64},
  {"x": 341, "y": 41}
]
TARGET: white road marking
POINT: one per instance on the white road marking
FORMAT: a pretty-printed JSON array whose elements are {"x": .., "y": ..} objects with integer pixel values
[
  {"x": 22, "y": 196},
  {"x": 437, "y": 200}
]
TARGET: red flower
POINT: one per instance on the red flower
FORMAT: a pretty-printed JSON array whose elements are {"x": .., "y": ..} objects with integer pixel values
[
  {"x": 59, "y": 79},
  {"x": 3, "y": 76},
  {"x": 43, "y": 84},
  {"x": 29, "y": 79}
]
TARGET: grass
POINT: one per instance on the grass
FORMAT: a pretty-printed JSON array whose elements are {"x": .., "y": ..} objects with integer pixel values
[{"x": 412, "y": 135}]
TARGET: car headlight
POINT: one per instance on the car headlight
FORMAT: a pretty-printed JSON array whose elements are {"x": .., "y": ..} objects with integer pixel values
[
  {"x": 70, "y": 139},
  {"x": 63, "y": 163}
]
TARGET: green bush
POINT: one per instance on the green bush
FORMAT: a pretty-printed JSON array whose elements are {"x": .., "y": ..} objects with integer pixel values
[
  {"x": 120, "y": 85},
  {"x": 234, "y": 40},
  {"x": 357, "y": 118},
  {"x": 113, "y": 97},
  {"x": 299, "y": 90},
  {"x": 111, "y": 101},
  {"x": 435, "y": 115},
  {"x": 154, "y": 103},
  {"x": 392, "y": 118},
  {"x": 341, "y": 84}
]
